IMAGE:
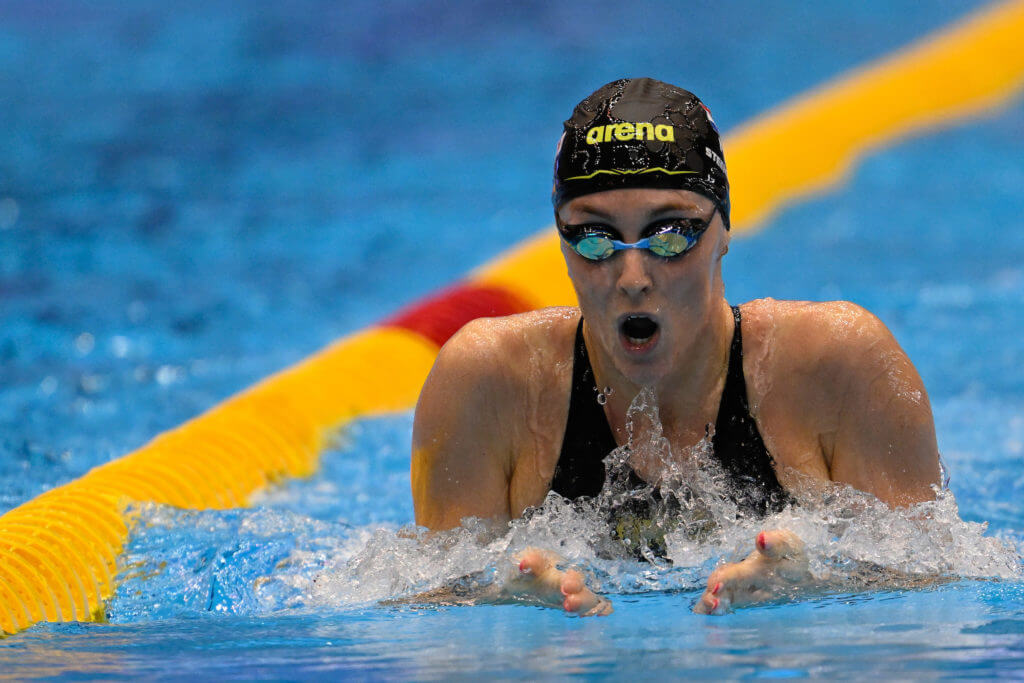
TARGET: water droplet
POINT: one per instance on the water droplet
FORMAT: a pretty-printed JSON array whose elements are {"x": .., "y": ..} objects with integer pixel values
[
  {"x": 120, "y": 346},
  {"x": 48, "y": 385},
  {"x": 167, "y": 374},
  {"x": 84, "y": 343},
  {"x": 90, "y": 384}
]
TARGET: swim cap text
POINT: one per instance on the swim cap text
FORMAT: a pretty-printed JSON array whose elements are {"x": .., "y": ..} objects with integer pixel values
[{"x": 630, "y": 131}]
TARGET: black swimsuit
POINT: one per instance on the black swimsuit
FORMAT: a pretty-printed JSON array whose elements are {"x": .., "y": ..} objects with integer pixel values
[{"x": 737, "y": 443}]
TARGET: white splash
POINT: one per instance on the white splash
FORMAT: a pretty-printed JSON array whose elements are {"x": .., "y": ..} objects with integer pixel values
[{"x": 851, "y": 536}]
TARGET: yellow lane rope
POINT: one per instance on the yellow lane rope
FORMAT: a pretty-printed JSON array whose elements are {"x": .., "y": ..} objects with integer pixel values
[{"x": 810, "y": 143}]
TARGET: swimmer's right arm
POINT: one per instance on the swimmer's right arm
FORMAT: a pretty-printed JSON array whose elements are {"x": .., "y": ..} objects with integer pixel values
[
  {"x": 462, "y": 464},
  {"x": 461, "y": 456}
]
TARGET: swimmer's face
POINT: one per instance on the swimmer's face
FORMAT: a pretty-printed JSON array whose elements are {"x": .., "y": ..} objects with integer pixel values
[{"x": 643, "y": 310}]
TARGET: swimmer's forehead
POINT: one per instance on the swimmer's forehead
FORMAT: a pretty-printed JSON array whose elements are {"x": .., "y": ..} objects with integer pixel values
[{"x": 615, "y": 204}]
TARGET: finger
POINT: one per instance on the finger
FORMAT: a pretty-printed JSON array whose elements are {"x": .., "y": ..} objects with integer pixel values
[
  {"x": 712, "y": 605},
  {"x": 778, "y": 543},
  {"x": 721, "y": 606},
  {"x": 576, "y": 602},
  {"x": 572, "y": 582},
  {"x": 707, "y": 604},
  {"x": 602, "y": 609},
  {"x": 584, "y": 603},
  {"x": 587, "y": 604},
  {"x": 579, "y": 598},
  {"x": 534, "y": 561},
  {"x": 718, "y": 575}
]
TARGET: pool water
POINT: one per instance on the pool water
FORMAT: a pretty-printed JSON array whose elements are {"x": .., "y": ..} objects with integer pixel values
[{"x": 196, "y": 194}]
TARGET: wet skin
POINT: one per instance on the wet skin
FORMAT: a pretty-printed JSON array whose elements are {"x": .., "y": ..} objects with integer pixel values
[{"x": 833, "y": 395}]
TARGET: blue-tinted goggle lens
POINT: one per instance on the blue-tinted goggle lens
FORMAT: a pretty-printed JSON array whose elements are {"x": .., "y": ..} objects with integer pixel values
[
  {"x": 673, "y": 241},
  {"x": 594, "y": 247}
]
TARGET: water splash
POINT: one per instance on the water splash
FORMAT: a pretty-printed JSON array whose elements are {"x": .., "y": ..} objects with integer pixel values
[{"x": 269, "y": 560}]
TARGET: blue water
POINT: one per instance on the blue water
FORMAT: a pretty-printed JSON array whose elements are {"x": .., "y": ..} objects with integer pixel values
[{"x": 195, "y": 194}]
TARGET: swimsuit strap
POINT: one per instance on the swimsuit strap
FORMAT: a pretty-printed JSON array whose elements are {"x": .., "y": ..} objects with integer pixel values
[
  {"x": 737, "y": 443},
  {"x": 588, "y": 436}
]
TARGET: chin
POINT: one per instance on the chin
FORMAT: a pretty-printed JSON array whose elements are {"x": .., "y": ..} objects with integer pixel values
[{"x": 646, "y": 369}]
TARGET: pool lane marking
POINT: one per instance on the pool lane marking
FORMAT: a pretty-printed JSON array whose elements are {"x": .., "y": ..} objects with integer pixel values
[
  {"x": 277, "y": 428},
  {"x": 811, "y": 143},
  {"x": 440, "y": 316}
]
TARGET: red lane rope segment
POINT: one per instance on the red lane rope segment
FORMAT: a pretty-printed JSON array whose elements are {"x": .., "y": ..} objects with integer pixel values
[{"x": 439, "y": 317}]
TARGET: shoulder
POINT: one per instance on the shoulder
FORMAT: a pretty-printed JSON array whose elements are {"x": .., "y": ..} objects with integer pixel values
[
  {"x": 817, "y": 359},
  {"x": 498, "y": 364},
  {"x": 818, "y": 319},
  {"x": 511, "y": 331},
  {"x": 502, "y": 350},
  {"x": 819, "y": 337}
]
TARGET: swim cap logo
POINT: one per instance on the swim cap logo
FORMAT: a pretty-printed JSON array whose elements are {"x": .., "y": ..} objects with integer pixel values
[{"x": 630, "y": 131}]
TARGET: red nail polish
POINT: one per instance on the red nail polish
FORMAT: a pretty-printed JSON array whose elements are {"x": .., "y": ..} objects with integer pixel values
[
  {"x": 522, "y": 567},
  {"x": 718, "y": 587},
  {"x": 761, "y": 543},
  {"x": 716, "y": 604}
]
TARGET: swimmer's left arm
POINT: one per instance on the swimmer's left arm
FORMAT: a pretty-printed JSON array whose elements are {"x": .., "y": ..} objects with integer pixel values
[
  {"x": 885, "y": 443},
  {"x": 878, "y": 436}
]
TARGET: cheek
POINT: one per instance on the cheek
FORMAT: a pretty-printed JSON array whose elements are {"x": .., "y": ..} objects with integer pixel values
[
  {"x": 683, "y": 278},
  {"x": 699, "y": 275},
  {"x": 597, "y": 304},
  {"x": 591, "y": 287},
  {"x": 589, "y": 280}
]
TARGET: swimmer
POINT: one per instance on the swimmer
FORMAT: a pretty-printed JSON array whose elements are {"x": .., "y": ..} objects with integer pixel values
[{"x": 787, "y": 391}]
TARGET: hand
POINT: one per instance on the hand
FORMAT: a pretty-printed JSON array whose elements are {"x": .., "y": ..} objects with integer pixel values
[
  {"x": 778, "y": 565},
  {"x": 540, "y": 579}
]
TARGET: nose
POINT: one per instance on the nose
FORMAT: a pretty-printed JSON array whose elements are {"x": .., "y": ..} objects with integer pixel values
[{"x": 634, "y": 278}]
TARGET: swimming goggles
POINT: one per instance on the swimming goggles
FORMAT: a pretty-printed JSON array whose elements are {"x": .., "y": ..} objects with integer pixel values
[{"x": 675, "y": 238}]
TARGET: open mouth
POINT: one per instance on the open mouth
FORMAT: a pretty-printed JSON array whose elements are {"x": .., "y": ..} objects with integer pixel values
[{"x": 638, "y": 331}]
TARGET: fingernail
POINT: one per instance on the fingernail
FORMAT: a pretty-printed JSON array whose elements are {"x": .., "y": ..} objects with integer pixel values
[
  {"x": 523, "y": 568},
  {"x": 716, "y": 604},
  {"x": 718, "y": 587},
  {"x": 761, "y": 542}
]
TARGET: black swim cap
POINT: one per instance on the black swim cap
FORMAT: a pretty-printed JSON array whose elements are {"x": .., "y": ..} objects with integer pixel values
[{"x": 639, "y": 132}]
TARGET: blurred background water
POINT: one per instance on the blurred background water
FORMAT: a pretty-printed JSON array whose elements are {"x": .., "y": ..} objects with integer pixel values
[{"x": 196, "y": 194}]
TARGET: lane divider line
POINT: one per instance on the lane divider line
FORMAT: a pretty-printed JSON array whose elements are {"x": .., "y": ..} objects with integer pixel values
[
  {"x": 58, "y": 551},
  {"x": 811, "y": 143}
]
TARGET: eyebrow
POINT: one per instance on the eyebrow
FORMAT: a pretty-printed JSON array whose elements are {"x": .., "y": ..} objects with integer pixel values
[
  {"x": 653, "y": 214},
  {"x": 595, "y": 212},
  {"x": 674, "y": 207}
]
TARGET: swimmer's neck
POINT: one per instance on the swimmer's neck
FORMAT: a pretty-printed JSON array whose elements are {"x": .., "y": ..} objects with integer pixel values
[{"x": 693, "y": 385}]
